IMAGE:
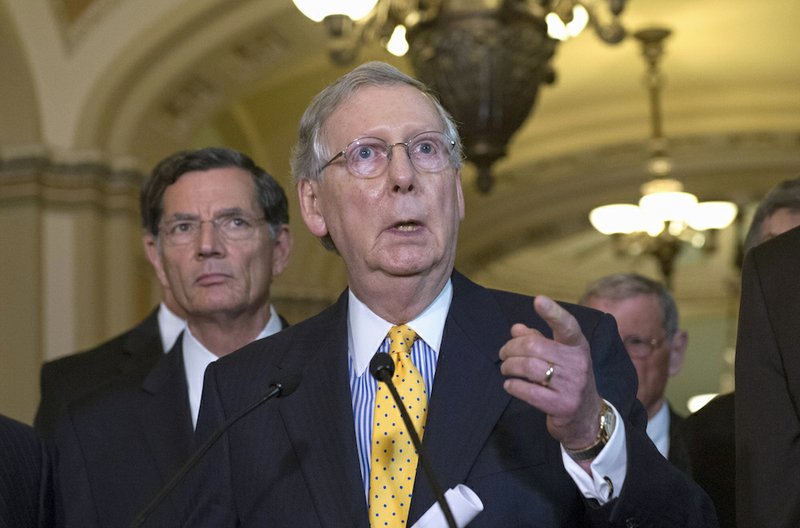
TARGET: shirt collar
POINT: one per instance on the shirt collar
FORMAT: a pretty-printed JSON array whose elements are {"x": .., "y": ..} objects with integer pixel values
[
  {"x": 170, "y": 327},
  {"x": 658, "y": 429},
  {"x": 196, "y": 357},
  {"x": 366, "y": 330}
]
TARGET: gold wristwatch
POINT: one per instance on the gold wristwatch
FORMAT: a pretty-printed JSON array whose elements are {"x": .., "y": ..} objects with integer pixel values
[{"x": 607, "y": 423}]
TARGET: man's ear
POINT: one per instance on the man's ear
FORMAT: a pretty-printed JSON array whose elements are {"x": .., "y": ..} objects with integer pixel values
[
  {"x": 153, "y": 253},
  {"x": 281, "y": 249},
  {"x": 311, "y": 207},
  {"x": 677, "y": 352},
  {"x": 460, "y": 195}
]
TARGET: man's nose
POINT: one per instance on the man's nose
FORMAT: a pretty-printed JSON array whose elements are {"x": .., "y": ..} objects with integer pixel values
[
  {"x": 209, "y": 240},
  {"x": 402, "y": 172}
]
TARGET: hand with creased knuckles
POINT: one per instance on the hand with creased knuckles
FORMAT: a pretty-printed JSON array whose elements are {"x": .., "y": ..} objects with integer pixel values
[{"x": 554, "y": 375}]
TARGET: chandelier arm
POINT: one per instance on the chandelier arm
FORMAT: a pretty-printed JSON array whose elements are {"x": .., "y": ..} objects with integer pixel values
[
  {"x": 485, "y": 59},
  {"x": 611, "y": 32}
]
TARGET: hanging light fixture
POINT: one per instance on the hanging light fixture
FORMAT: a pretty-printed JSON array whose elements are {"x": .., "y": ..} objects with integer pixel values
[
  {"x": 484, "y": 58},
  {"x": 667, "y": 217}
]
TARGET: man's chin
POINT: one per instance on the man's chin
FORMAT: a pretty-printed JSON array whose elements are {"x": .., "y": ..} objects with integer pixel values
[
  {"x": 411, "y": 268},
  {"x": 213, "y": 306}
]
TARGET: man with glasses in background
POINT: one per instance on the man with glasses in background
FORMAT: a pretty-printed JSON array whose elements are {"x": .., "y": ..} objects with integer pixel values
[
  {"x": 216, "y": 234},
  {"x": 647, "y": 318}
]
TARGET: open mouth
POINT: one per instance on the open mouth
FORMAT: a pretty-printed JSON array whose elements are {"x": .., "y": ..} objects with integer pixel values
[{"x": 406, "y": 226}]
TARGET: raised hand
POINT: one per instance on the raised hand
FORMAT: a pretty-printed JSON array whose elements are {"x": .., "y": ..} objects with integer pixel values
[{"x": 554, "y": 375}]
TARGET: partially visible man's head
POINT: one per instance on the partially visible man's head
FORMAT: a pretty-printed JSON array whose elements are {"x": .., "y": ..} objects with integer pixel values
[
  {"x": 647, "y": 318},
  {"x": 779, "y": 211},
  {"x": 216, "y": 231}
]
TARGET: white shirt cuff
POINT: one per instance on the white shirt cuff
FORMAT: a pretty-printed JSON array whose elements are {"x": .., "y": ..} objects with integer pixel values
[{"x": 608, "y": 468}]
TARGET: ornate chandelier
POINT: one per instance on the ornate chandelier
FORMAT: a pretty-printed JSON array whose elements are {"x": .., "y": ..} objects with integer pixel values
[
  {"x": 484, "y": 58},
  {"x": 667, "y": 217}
]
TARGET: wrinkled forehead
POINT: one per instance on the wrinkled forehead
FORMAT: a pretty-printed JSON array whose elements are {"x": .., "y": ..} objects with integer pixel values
[
  {"x": 209, "y": 191},
  {"x": 391, "y": 112}
]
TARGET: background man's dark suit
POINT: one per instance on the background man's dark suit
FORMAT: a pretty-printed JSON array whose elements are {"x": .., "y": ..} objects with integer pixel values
[
  {"x": 710, "y": 439},
  {"x": 71, "y": 377},
  {"x": 294, "y": 460},
  {"x": 136, "y": 430},
  {"x": 768, "y": 385},
  {"x": 25, "y": 487},
  {"x": 678, "y": 449}
]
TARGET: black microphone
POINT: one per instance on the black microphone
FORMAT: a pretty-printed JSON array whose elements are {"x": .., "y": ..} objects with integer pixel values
[
  {"x": 283, "y": 385},
  {"x": 381, "y": 367}
]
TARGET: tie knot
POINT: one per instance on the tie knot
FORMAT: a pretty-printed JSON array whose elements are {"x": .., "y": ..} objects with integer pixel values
[{"x": 402, "y": 338}]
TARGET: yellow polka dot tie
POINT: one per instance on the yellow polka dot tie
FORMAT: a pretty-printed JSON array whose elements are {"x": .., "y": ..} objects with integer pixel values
[{"x": 394, "y": 459}]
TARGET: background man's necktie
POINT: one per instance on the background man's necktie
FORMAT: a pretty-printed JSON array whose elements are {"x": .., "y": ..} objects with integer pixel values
[{"x": 394, "y": 460}]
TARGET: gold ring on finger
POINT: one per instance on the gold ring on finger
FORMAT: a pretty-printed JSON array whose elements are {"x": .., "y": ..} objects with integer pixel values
[{"x": 548, "y": 374}]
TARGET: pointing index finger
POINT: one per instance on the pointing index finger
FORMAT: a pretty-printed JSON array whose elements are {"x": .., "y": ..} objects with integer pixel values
[{"x": 565, "y": 328}]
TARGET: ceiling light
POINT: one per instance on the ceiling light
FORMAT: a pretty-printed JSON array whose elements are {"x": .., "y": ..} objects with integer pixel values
[{"x": 667, "y": 216}]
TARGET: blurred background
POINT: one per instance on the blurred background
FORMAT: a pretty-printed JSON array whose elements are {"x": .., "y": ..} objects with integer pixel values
[{"x": 94, "y": 92}]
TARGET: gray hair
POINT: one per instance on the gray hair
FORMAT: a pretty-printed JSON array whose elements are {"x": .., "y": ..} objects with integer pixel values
[
  {"x": 309, "y": 154},
  {"x": 623, "y": 286},
  {"x": 785, "y": 195}
]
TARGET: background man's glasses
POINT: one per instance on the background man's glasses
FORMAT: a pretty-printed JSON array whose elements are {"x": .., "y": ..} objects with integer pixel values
[
  {"x": 368, "y": 157},
  {"x": 639, "y": 347},
  {"x": 229, "y": 227}
]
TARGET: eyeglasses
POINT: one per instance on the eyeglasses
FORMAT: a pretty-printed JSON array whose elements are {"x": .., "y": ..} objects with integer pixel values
[
  {"x": 639, "y": 347},
  {"x": 230, "y": 227},
  {"x": 368, "y": 157}
]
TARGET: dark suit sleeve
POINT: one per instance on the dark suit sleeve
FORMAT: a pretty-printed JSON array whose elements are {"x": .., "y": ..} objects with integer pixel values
[
  {"x": 25, "y": 487},
  {"x": 655, "y": 492},
  {"x": 767, "y": 424},
  {"x": 50, "y": 404}
]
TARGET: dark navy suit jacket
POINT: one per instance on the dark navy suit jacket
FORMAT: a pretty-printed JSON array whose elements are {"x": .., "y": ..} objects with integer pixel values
[
  {"x": 25, "y": 486},
  {"x": 709, "y": 434},
  {"x": 678, "y": 449},
  {"x": 115, "y": 447},
  {"x": 66, "y": 379},
  {"x": 767, "y": 398},
  {"x": 293, "y": 461}
]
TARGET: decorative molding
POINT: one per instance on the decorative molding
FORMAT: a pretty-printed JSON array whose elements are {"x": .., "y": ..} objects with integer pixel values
[
  {"x": 35, "y": 174},
  {"x": 73, "y": 30},
  {"x": 195, "y": 97}
]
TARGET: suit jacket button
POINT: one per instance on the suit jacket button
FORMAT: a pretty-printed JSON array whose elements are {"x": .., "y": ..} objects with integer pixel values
[{"x": 631, "y": 523}]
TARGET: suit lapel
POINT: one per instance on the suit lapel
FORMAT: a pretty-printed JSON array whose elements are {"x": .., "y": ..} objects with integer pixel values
[
  {"x": 164, "y": 416},
  {"x": 319, "y": 421},
  {"x": 142, "y": 347},
  {"x": 467, "y": 397}
]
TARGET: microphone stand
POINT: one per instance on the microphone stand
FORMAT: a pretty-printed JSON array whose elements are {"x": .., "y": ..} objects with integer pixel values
[{"x": 277, "y": 389}]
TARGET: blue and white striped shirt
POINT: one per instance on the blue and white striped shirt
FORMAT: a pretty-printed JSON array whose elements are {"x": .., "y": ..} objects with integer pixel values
[{"x": 366, "y": 336}]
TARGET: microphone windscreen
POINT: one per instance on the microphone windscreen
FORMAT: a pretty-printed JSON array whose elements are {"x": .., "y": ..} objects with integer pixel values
[
  {"x": 288, "y": 379},
  {"x": 381, "y": 366}
]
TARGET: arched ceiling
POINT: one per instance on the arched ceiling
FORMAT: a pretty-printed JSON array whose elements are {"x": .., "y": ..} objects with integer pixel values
[{"x": 156, "y": 76}]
